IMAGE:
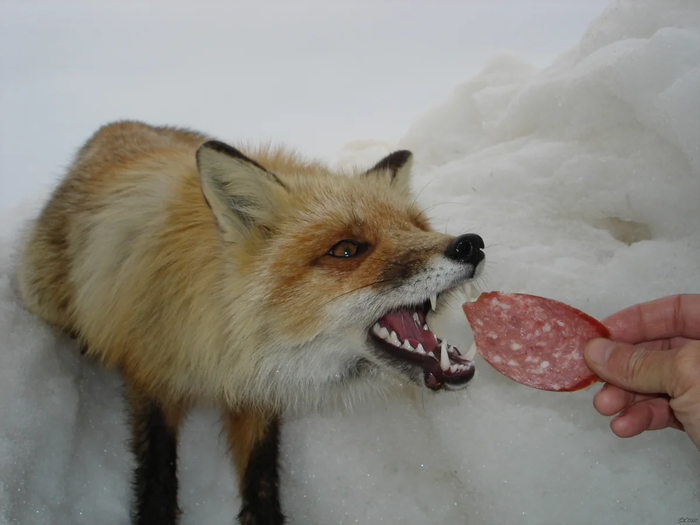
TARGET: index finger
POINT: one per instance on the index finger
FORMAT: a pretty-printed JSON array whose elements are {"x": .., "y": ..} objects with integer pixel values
[{"x": 672, "y": 316}]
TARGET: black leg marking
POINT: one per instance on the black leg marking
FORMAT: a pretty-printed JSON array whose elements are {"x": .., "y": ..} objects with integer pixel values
[
  {"x": 260, "y": 487},
  {"x": 154, "y": 444}
]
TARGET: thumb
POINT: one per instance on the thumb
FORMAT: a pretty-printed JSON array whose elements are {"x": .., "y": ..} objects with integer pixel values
[{"x": 631, "y": 367}]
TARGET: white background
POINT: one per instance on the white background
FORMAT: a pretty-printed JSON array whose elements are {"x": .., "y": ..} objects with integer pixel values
[{"x": 312, "y": 74}]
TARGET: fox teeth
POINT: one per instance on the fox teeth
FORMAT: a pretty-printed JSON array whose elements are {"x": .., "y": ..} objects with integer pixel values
[
  {"x": 458, "y": 367},
  {"x": 394, "y": 339},
  {"x": 471, "y": 352},
  {"x": 433, "y": 301},
  {"x": 383, "y": 333},
  {"x": 444, "y": 358},
  {"x": 406, "y": 345},
  {"x": 376, "y": 328},
  {"x": 425, "y": 327},
  {"x": 415, "y": 318},
  {"x": 470, "y": 292},
  {"x": 420, "y": 349}
]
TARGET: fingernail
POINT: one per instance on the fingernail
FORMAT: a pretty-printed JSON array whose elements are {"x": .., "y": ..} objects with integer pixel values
[{"x": 598, "y": 350}]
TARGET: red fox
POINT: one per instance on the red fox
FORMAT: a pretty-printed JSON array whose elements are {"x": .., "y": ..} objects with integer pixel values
[{"x": 257, "y": 282}]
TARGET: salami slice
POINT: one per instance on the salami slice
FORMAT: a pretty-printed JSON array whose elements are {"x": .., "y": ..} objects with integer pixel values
[{"x": 535, "y": 341}]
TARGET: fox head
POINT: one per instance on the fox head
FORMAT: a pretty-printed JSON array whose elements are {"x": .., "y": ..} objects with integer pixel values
[{"x": 338, "y": 271}]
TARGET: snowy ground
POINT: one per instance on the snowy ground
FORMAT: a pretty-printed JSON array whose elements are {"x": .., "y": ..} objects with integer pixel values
[{"x": 583, "y": 178}]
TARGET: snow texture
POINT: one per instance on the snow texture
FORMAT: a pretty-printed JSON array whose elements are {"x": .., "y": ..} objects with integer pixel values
[{"x": 583, "y": 178}]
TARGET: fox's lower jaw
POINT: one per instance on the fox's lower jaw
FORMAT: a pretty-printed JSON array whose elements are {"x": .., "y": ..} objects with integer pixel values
[{"x": 403, "y": 340}]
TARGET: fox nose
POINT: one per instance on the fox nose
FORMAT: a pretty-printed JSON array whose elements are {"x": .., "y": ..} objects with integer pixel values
[{"x": 466, "y": 249}]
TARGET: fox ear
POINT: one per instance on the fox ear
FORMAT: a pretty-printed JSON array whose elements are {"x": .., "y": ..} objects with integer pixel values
[
  {"x": 239, "y": 191},
  {"x": 397, "y": 166}
]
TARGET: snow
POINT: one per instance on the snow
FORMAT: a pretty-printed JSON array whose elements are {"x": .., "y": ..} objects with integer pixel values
[{"x": 583, "y": 179}]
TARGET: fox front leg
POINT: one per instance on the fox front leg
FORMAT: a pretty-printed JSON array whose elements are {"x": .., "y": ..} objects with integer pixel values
[
  {"x": 154, "y": 444},
  {"x": 254, "y": 443}
]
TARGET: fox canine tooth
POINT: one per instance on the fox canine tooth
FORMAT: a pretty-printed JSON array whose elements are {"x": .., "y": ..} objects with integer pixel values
[
  {"x": 444, "y": 358},
  {"x": 383, "y": 333},
  {"x": 376, "y": 328},
  {"x": 433, "y": 301},
  {"x": 394, "y": 339}
]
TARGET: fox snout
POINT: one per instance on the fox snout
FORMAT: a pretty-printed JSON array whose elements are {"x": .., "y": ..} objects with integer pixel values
[{"x": 466, "y": 249}]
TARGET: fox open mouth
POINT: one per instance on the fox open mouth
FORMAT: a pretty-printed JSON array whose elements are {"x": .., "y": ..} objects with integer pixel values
[{"x": 405, "y": 335}]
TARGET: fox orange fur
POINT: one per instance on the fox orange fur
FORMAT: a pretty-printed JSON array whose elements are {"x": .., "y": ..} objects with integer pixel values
[{"x": 254, "y": 281}]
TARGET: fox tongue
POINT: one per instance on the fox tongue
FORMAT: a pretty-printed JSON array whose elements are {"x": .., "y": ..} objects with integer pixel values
[{"x": 405, "y": 326}]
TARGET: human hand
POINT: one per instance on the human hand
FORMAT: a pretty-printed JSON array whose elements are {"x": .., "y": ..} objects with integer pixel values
[{"x": 655, "y": 384}]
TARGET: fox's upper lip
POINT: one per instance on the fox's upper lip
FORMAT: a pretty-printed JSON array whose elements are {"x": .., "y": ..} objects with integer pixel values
[{"x": 404, "y": 335}]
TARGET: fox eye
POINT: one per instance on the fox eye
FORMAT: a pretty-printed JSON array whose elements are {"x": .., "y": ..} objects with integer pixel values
[{"x": 346, "y": 248}]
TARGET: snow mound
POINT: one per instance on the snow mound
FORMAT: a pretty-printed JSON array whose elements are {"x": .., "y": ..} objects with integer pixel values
[{"x": 582, "y": 178}]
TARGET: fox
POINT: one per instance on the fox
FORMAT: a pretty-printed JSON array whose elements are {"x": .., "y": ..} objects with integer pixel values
[{"x": 249, "y": 279}]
